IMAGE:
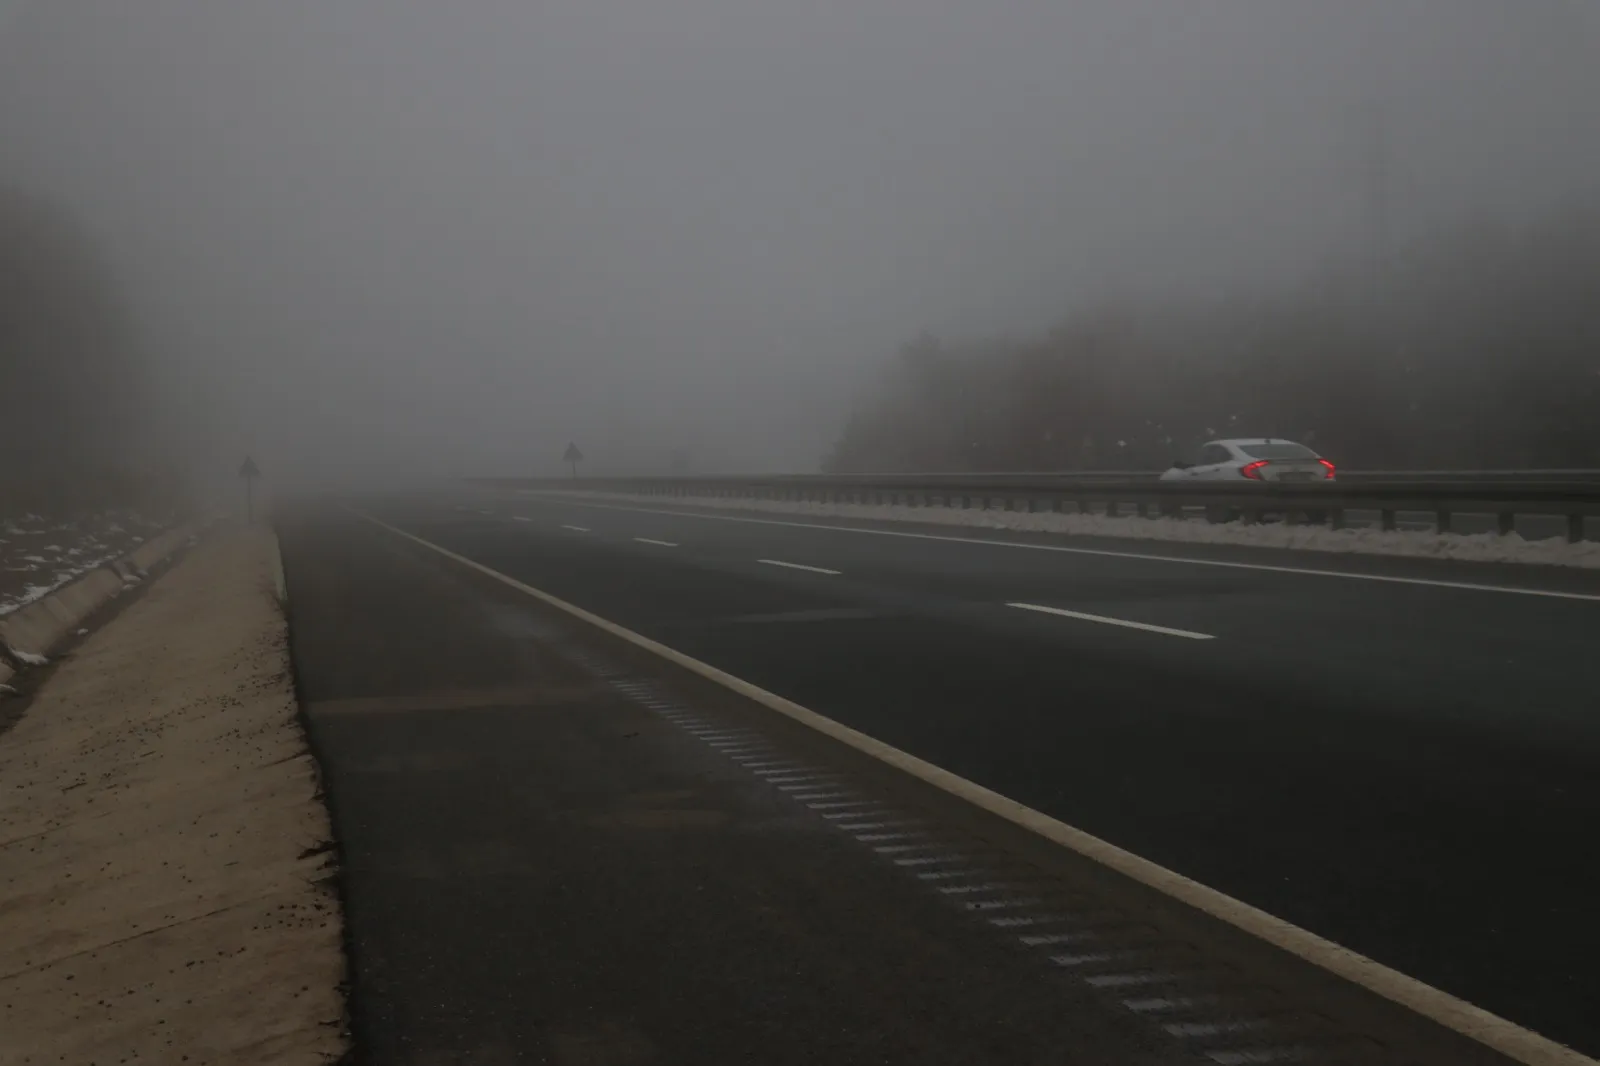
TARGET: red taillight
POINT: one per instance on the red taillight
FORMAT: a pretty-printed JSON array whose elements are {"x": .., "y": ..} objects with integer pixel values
[
  {"x": 1253, "y": 470},
  {"x": 1329, "y": 466}
]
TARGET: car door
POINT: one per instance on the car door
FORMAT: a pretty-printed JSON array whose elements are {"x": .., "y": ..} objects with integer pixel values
[{"x": 1215, "y": 462}]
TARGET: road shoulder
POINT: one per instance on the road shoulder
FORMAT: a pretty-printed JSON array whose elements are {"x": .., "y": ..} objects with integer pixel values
[{"x": 164, "y": 890}]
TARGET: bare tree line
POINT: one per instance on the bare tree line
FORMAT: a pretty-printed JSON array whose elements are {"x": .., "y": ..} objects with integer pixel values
[
  {"x": 1479, "y": 350},
  {"x": 70, "y": 396}
]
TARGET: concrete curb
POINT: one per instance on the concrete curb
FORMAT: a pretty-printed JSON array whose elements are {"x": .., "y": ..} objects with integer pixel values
[{"x": 39, "y": 628}]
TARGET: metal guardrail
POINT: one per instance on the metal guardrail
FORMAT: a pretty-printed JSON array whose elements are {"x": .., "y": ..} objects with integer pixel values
[{"x": 1319, "y": 502}]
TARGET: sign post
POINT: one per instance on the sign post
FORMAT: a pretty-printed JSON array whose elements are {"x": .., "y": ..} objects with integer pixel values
[
  {"x": 573, "y": 457},
  {"x": 248, "y": 473}
]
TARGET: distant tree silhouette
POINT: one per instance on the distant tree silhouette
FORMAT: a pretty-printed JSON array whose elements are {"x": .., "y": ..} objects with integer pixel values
[
  {"x": 69, "y": 402},
  {"x": 1483, "y": 352}
]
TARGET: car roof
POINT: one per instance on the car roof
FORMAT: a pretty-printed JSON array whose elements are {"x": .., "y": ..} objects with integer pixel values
[{"x": 1255, "y": 440}]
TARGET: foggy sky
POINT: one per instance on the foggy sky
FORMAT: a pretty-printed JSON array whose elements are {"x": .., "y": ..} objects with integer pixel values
[{"x": 383, "y": 235}]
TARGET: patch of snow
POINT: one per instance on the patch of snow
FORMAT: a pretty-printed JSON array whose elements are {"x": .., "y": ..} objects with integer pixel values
[
  {"x": 35, "y": 559},
  {"x": 7, "y": 690},
  {"x": 28, "y": 658},
  {"x": 83, "y": 632},
  {"x": 1465, "y": 547}
]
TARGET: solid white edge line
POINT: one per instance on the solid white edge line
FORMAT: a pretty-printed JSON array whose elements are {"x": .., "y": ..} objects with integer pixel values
[
  {"x": 1491, "y": 1030},
  {"x": 1125, "y": 623},
  {"x": 799, "y": 566},
  {"x": 1391, "y": 579},
  {"x": 658, "y": 543}
]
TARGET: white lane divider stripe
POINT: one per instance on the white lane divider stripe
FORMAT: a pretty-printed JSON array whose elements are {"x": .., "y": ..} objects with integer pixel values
[
  {"x": 1188, "y": 634},
  {"x": 658, "y": 543},
  {"x": 520, "y": 518},
  {"x": 575, "y": 529},
  {"x": 799, "y": 566}
]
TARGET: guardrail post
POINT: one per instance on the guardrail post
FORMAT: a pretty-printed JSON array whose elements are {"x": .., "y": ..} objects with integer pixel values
[
  {"x": 1441, "y": 520},
  {"x": 1111, "y": 509},
  {"x": 1574, "y": 528},
  {"x": 1084, "y": 506},
  {"x": 1336, "y": 518},
  {"x": 1506, "y": 522},
  {"x": 1386, "y": 519}
]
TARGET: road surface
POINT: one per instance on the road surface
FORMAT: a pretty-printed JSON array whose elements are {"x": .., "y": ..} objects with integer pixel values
[{"x": 1406, "y": 766}]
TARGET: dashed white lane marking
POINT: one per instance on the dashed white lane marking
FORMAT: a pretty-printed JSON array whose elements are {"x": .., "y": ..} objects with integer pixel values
[
  {"x": 1068, "y": 962},
  {"x": 657, "y": 543},
  {"x": 799, "y": 566},
  {"x": 1162, "y": 1004},
  {"x": 1149, "y": 557},
  {"x": 520, "y": 518},
  {"x": 857, "y": 827},
  {"x": 575, "y": 529},
  {"x": 931, "y": 860},
  {"x": 1188, "y": 634}
]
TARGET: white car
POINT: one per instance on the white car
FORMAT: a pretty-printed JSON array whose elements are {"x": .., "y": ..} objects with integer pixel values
[{"x": 1264, "y": 459}]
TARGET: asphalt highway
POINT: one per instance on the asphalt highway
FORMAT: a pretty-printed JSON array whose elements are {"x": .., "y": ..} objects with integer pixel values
[{"x": 1401, "y": 757}]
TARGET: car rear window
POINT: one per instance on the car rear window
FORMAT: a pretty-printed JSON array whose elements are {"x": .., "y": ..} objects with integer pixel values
[{"x": 1277, "y": 451}]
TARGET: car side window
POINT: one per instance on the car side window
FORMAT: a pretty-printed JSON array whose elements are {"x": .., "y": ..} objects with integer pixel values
[{"x": 1213, "y": 454}]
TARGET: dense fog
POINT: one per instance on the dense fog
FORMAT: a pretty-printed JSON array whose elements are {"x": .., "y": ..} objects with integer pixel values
[{"x": 376, "y": 239}]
